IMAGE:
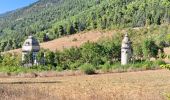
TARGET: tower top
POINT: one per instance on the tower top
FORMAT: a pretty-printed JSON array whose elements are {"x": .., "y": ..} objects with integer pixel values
[
  {"x": 30, "y": 37},
  {"x": 126, "y": 43},
  {"x": 31, "y": 44},
  {"x": 126, "y": 34},
  {"x": 126, "y": 38}
]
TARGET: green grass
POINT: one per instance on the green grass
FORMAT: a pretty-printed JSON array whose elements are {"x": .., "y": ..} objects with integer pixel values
[
  {"x": 21, "y": 69},
  {"x": 87, "y": 68}
]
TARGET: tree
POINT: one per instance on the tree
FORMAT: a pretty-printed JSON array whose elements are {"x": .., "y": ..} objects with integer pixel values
[
  {"x": 49, "y": 57},
  {"x": 71, "y": 30},
  {"x": 76, "y": 26},
  {"x": 68, "y": 57},
  {"x": 41, "y": 57},
  {"x": 28, "y": 58},
  {"x": 112, "y": 47},
  {"x": 61, "y": 30},
  {"x": 150, "y": 49},
  {"x": 10, "y": 60},
  {"x": 92, "y": 53},
  {"x": 8, "y": 46}
]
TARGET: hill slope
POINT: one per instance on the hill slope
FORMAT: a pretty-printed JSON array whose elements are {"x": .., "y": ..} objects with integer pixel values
[{"x": 75, "y": 40}]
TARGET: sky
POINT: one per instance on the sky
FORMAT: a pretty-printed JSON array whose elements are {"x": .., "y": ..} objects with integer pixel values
[{"x": 8, "y": 5}]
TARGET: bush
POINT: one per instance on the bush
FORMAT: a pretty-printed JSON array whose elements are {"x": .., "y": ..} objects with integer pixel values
[
  {"x": 69, "y": 58},
  {"x": 137, "y": 65},
  {"x": 75, "y": 66},
  {"x": 124, "y": 68},
  {"x": 167, "y": 66},
  {"x": 116, "y": 66},
  {"x": 106, "y": 67},
  {"x": 10, "y": 60},
  {"x": 14, "y": 69},
  {"x": 149, "y": 48},
  {"x": 147, "y": 65},
  {"x": 87, "y": 69},
  {"x": 92, "y": 53},
  {"x": 59, "y": 68},
  {"x": 167, "y": 95},
  {"x": 159, "y": 62}
]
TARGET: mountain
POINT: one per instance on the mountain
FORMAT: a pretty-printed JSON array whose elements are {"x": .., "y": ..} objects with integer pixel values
[{"x": 56, "y": 18}]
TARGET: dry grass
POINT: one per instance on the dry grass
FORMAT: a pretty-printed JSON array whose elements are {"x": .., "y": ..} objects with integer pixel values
[{"x": 144, "y": 85}]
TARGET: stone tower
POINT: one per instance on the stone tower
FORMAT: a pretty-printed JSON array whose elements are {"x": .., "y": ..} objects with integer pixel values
[
  {"x": 126, "y": 50},
  {"x": 30, "y": 45}
]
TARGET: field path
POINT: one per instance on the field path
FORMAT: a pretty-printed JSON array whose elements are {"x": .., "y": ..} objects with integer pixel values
[{"x": 142, "y": 85}]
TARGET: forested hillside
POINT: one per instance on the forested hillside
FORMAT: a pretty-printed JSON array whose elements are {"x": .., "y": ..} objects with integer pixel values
[{"x": 55, "y": 18}]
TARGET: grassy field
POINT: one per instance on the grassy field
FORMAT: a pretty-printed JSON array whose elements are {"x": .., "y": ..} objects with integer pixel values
[{"x": 143, "y": 85}]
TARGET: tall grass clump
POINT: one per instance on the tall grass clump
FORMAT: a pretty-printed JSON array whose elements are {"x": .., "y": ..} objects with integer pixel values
[
  {"x": 106, "y": 67},
  {"x": 87, "y": 69}
]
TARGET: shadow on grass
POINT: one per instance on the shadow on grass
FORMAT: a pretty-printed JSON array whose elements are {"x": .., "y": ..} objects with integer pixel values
[{"x": 24, "y": 82}]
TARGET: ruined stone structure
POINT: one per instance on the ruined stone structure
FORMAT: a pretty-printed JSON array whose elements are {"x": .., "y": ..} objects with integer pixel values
[
  {"x": 126, "y": 50},
  {"x": 31, "y": 45}
]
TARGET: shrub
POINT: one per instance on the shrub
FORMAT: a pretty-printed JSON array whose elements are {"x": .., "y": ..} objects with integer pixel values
[
  {"x": 147, "y": 65},
  {"x": 137, "y": 65},
  {"x": 149, "y": 48},
  {"x": 87, "y": 69},
  {"x": 59, "y": 68},
  {"x": 75, "y": 66},
  {"x": 68, "y": 57},
  {"x": 167, "y": 95},
  {"x": 167, "y": 66},
  {"x": 159, "y": 62},
  {"x": 10, "y": 60},
  {"x": 106, "y": 67},
  {"x": 124, "y": 68},
  {"x": 74, "y": 40},
  {"x": 92, "y": 53},
  {"x": 49, "y": 57},
  {"x": 116, "y": 66},
  {"x": 13, "y": 69}
]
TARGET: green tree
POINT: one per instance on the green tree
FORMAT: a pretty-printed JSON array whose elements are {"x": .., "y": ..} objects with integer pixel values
[
  {"x": 61, "y": 30},
  {"x": 92, "y": 53},
  {"x": 28, "y": 58},
  {"x": 10, "y": 60},
  {"x": 150, "y": 49},
  {"x": 49, "y": 57}
]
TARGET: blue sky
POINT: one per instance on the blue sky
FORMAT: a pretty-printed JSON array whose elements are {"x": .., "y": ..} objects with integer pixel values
[{"x": 8, "y": 5}]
